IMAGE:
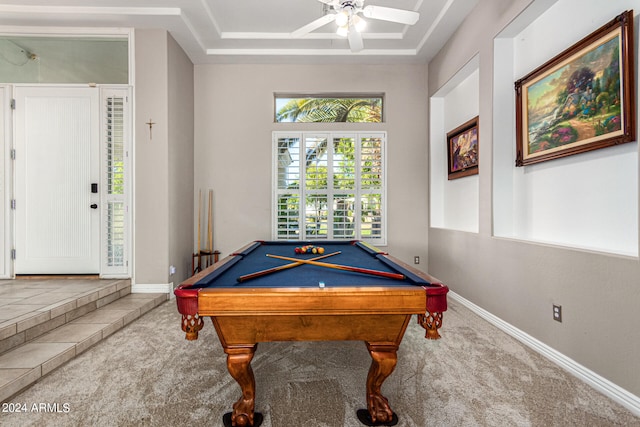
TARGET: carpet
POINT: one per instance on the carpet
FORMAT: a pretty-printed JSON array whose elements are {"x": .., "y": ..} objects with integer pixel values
[{"x": 147, "y": 374}]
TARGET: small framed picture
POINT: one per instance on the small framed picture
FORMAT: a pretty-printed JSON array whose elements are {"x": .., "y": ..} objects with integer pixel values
[
  {"x": 462, "y": 150},
  {"x": 581, "y": 100}
]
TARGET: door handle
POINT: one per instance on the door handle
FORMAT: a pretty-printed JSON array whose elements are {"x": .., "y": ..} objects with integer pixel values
[{"x": 93, "y": 206}]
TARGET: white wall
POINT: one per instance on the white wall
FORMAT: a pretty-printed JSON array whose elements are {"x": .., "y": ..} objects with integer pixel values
[
  {"x": 519, "y": 281},
  {"x": 587, "y": 201},
  {"x": 235, "y": 120},
  {"x": 454, "y": 203}
]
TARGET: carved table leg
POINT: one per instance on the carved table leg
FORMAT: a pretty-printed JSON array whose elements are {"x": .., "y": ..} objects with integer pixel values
[
  {"x": 383, "y": 362},
  {"x": 431, "y": 322},
  {"x": 239, "y": 366},
  {"x": 191, "y": 324}
]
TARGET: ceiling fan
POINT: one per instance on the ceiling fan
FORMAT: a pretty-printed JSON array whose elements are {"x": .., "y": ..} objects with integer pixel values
[{"x": 347, "y": 15}]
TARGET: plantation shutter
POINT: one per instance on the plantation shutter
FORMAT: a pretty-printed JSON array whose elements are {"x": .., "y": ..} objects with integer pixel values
[
  {"x": 115, "y": 183},
  {"x": 288, "y": 191},
  {"x": 329, "y": 186}
]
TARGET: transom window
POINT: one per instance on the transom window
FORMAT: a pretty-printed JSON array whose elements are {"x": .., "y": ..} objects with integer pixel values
[
  {"x": 329, "y": 186},
  {"x": 64, "y": 59},
  {"x": 327, "y": 108}
]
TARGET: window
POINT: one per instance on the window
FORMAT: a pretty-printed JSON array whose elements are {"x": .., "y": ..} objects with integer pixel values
[
  {"x": 115, "y": 143},
  {"x": 352, "y": 108},
  {"x": 64, "y": 59},
  {"x": 329, "y": 186}
]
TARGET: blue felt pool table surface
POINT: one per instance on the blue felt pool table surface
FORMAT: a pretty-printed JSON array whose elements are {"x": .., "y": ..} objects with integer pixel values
[{"x": 254, "y": 258}]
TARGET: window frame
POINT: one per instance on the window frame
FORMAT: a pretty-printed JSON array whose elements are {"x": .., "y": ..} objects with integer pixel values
[
  {"x": 330, "y": 191},
  {"x": 330, "y": 95}
]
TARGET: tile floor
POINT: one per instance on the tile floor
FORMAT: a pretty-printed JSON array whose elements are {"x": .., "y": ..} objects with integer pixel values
[{"x": 45, "y": 322}]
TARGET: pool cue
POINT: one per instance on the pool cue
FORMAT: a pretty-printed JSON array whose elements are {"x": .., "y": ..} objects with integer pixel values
[
  {"x": 210, "y": 226},
  {"x": 199, "y": 210},
  {"x": 209, "y": 251},
  {"x": 280, "y": 268},
  {"x": 396, "y": 276}
]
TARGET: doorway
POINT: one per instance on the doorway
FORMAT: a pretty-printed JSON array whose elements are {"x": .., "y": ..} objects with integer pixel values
[{"x": 57, "y": 172}]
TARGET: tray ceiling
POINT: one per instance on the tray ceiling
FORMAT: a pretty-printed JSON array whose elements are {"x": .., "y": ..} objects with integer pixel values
[{"x": 226, "y": 31}]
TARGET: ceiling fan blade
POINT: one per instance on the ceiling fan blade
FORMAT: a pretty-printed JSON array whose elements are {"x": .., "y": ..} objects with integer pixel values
[
  {"x": 355, "y": 40},
  {"x": 390, "y": 14},
  {"x": 314, "y": 25}
]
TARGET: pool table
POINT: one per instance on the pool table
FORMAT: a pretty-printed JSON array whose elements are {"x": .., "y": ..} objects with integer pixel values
[{"x": 253, "y": 297}]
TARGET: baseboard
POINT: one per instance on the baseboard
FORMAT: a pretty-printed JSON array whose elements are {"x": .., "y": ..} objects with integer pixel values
[
  {"x": 606, "y": 387},
  {"x": 151, "y": 288}
]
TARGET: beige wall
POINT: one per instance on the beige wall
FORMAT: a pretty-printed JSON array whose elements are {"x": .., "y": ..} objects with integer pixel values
[
  {"x": 151, "y": 192},
  {"x": 180, "y": 161},
  {"x": 234, "y": 107},
  {"x": 163, "y": 207},
  {"x": 519, "y": 281}
]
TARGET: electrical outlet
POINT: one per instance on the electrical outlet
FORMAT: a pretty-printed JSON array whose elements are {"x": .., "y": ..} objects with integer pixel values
[
  {"x": 557, "y": 313},
  {"x": 416, "y": 260},
  {"x": 172, "y": 270}
]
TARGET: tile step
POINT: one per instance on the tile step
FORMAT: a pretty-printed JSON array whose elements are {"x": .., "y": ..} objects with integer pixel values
[
  {"x": 33, "y": 323},
  {"x": 25, "y": 364}
]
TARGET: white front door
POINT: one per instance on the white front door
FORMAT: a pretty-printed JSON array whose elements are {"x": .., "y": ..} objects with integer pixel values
[{"x": 57, "y": 218}]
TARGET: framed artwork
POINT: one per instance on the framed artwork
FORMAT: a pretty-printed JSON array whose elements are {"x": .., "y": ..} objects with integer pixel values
[
  {"x": 462, "y": 143},
  {"x": 581, "y": 100}
]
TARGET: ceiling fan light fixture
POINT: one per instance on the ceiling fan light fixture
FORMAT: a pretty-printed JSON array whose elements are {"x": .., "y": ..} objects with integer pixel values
[
  {"x": 358, "y": 23},
  {"x": 349, "y": 22},
  {"x": 342, "y": 18}
]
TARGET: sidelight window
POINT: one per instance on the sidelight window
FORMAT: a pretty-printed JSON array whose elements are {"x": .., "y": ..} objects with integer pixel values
[{"x": 115, "y": 143}]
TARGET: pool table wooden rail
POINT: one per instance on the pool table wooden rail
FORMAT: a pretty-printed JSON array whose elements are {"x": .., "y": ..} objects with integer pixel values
[{"x": 298, "y": 301}]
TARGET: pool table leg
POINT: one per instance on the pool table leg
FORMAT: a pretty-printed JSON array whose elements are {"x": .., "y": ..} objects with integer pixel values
[
  {"x": 239, "y": 366},
  {"x": 431, "y": 322},
  {"x": 383, "y": 361}
]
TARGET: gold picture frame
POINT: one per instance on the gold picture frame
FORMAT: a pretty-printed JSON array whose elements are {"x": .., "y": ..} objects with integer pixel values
[
  {"x": 462, "y": 149},
  {"x": 581, "y": 100}
]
